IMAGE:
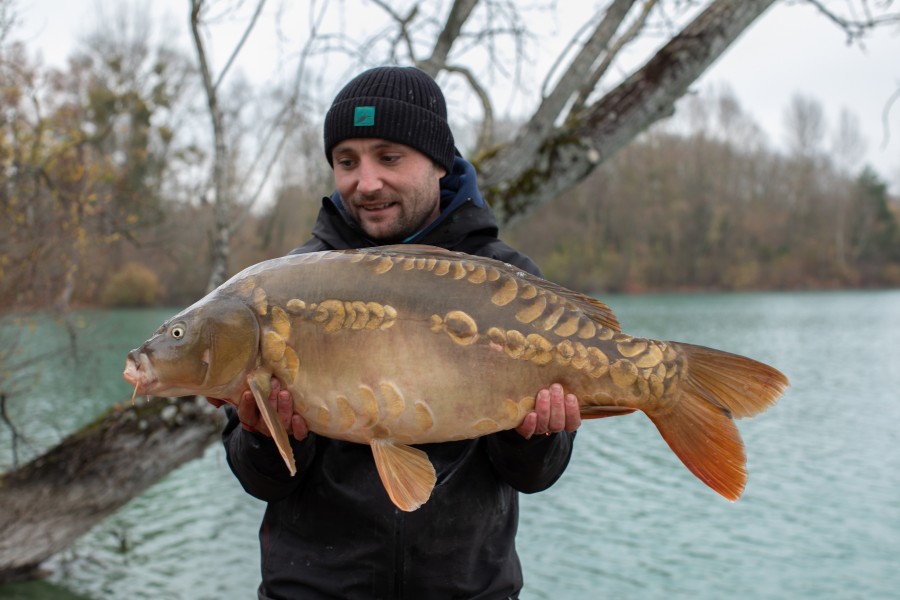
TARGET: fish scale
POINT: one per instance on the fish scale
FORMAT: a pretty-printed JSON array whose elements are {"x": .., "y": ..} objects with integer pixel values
[{"x": 404, "y": 345}]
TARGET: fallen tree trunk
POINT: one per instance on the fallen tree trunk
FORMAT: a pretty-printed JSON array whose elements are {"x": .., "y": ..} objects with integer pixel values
[{"x": 51, "y": 501}]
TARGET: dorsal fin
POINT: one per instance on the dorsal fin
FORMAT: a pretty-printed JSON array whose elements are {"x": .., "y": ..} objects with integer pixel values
[{"x": 596, "y": 310}]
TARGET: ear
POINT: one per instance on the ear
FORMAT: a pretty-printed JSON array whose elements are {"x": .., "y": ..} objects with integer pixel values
[{"x": 233, "y": 341}]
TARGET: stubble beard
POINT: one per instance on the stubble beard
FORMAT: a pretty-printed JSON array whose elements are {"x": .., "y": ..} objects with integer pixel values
[{"x": 406, "y": 224}]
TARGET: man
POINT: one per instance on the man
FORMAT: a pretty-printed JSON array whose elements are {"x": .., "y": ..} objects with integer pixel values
[{"x": 331, "y": 531}]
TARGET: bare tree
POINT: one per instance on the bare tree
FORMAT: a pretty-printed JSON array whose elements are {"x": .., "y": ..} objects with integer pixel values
[
  {"x": 805, "y": 126},
  {"x": 7, "y": 19},
  {"x": 274, "y": 132},
  {"x": 222, "y": 189},
  {"x": 848, "y": 144}
]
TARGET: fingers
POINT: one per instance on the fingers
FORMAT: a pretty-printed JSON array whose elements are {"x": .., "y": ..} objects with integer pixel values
[
  {"x": 299, "y": 429},
  {"x": 551, "y": 414},
  {"x": 283, "y": 403},
  {"x": 573, "y": 413},
  {"x": 249, "y": 415},
  {"x": 284, "y": 406},
  {"x": 526, "y": 429},
  {"x": 554, "y": 411},
  {"x": 556, "y": 419}
]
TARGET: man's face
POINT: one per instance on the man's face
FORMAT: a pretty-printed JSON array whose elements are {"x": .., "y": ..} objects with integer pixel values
[{"x": 391, "y": 190}]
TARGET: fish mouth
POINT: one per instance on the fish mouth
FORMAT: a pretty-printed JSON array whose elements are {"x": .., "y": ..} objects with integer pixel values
[{"x": 139, "y": 372}]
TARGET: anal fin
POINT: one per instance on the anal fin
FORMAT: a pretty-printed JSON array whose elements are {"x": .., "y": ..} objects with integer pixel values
[
  {"x": 406, "y": 473},
  {"x": 259, "y": 383}
]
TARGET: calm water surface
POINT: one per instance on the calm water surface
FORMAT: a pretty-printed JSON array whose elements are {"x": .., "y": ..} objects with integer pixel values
[{"x": 820, "y": 517}]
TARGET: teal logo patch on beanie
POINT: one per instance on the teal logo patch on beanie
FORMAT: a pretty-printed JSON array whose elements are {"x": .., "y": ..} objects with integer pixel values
[{"x": 364, "y": 116}]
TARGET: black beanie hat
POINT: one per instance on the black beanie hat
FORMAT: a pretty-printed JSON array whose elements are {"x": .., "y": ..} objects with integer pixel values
[{"x": 399, "y": 104}]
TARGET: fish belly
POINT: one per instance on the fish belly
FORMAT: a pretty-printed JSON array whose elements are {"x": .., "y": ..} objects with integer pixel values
[{"x": 414, "y": 385}]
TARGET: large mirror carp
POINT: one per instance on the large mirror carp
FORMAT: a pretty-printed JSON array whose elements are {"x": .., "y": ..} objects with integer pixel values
[{"x": 404, "y": 345}]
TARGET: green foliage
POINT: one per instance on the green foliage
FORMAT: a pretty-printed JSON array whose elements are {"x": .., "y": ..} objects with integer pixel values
[{"x": 132, "y": 286}]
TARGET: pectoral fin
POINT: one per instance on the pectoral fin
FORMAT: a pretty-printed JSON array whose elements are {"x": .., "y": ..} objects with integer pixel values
[
  {"x": 259, "y": 382},
  {"x": 406, "y": 472}
]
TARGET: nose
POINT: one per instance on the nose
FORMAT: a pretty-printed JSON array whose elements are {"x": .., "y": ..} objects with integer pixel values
[{"x": 369, "y": 177}]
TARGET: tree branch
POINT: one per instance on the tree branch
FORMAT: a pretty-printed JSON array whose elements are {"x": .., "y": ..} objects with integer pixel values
[
  {"x": 51, "y": 501},
  {"x": 222, "y": 200},
  {"x": 533, "y": 135},
  {"x": 456, "y": 19},
  {"x": 614, "y": 48},
  {"x": 240, "y": 44},
  {"x": 855, "y": 28},
  {"x": 515, "y": 182}
]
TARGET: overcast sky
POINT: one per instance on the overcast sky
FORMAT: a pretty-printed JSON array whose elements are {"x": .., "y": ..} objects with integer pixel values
[{"x": 791, "y": 49}]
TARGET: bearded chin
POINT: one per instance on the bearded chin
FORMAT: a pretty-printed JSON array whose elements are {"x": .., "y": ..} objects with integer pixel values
[{"x": 406, "y": 233}]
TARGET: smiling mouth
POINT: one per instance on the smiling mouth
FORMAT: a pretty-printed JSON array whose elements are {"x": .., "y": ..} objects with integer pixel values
[{"x": 376, "y": 207}]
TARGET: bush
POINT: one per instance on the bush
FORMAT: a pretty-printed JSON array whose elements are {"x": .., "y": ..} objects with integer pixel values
[{"x": 133, "y": 285}]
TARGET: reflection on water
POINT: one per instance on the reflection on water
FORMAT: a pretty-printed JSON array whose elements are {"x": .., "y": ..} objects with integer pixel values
[
  {"x": 192, "y": 535},
  {"x": 819, "y": 518}
]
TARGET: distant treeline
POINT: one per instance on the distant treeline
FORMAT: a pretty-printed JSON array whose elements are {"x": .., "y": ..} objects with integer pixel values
[
  {"x": 694, "y": 212},
  {"x": 668, "y": 212}
]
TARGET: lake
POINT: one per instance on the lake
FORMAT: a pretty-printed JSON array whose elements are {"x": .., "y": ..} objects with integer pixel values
[{"x": 820, "y": 517}]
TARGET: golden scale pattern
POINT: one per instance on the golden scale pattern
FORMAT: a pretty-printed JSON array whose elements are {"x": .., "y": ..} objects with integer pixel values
[
  {"x": 333, "y": 315},
  {"x": 641, "y": 370},
  {"x": 644, "y": 369}
]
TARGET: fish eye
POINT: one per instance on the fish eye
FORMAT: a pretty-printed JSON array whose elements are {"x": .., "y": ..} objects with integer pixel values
[{"x": 177, "y": 331}]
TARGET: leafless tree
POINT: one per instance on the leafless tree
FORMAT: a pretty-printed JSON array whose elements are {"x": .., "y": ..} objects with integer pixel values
[
  {"x": 7, "y": 19},
  {"x": 227, "y": 182}
]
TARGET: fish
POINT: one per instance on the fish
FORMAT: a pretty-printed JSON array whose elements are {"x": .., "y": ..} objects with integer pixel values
[{"x": 396, "y": 346}]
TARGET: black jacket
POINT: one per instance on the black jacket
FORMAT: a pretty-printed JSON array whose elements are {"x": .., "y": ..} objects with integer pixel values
[{"x": 332, "y": 532}]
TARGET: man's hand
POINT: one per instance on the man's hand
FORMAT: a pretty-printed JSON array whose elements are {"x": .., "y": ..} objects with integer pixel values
[
  {"x": 283, "y": 403},
  {"x": 553, "y": 411},
  {"x": 217, "y": 402}
]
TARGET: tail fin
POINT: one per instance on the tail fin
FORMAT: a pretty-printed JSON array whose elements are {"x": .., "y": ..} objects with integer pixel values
[{"x": 699, "y": 429}]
